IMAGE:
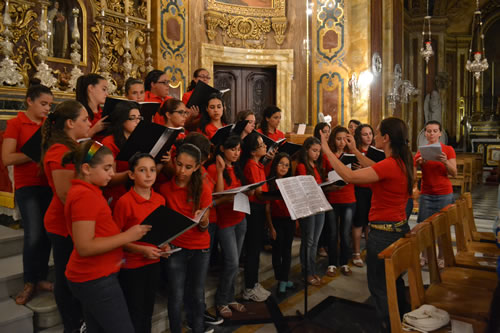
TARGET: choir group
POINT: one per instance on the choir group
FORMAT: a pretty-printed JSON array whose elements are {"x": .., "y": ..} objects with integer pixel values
[{"x": 87, "y": 205}]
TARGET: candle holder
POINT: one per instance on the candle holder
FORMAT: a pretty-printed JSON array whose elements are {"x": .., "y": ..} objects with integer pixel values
[
  {"x": 44, "y": 72},
  {"x": 149, "y": 50},
  {"x": 104, "y": 61},
  {"x": 9, "y": 73},
  {"x": 75, "y": 55},
  {"x": 401, "y": 89},
  {"x": 477, "y": 65},
  {"x": 127, "y": 63}
]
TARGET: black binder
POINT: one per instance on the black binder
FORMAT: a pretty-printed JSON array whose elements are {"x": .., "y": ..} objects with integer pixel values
[
  {"x": 375, "y": 154},
  {"x": 33, "y": 147},
  {"x": 109, "y": 107},
  {"x": 148, "y": 110},
  {"x": 224, "y": 132},
  {"x": 348, "y": 159},
  {"x": 200, "y": 95}
]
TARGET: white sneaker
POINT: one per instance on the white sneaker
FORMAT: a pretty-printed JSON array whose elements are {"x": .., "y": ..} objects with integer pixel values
[
  {"x": 262, "y": 290},
  {"x": 254, "y": 295}
]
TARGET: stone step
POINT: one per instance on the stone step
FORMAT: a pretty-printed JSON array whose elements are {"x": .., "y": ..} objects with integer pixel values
[
  {"x": 45, "y": 310},
  {"x": 11, "y": 241},
  {"x": 15, "y": 318}
]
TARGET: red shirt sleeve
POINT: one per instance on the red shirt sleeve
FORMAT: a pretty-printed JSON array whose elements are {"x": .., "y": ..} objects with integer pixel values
[
  {"x": 300, "y": 170},
  {"x": 13, "y": 129}
]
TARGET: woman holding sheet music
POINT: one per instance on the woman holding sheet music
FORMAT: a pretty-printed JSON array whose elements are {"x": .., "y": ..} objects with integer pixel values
[
  {"x": 270, "y": 122},
  {"x": 246, "y": 115},
  {"x": 97, "y": 256},
  {"x": 391, "y": 183},
  {"x": 308, "y": 164},
  {"x": 213, "y": 117},
  {"x": 188, "y": 194},
  {"x": 91, "y": 91},
  {"x": 32, "y": 191}
]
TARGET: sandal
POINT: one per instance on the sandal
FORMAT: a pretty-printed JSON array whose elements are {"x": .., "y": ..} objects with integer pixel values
[
  {"x": 313, "y": 281},
  {"x": 26, "y": 294},
  {"x": 238, "y": 307},
  {"x": 45, "y": 285},
  {"x": 356, "y": 260},
  {"x": 331, "y": 271},
  {"x": 440, "y": 262},
  {"x": 224, "y": 311},
  {"x": 346, "y": 270}
]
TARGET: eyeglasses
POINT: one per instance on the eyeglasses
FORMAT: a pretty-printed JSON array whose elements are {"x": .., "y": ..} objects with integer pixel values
[
  {"x": 134, "y": 118},
  {"x": 182, "y": 113},
  {"x": 163, "y": 82},
  {"x": 205, "y": 77}
]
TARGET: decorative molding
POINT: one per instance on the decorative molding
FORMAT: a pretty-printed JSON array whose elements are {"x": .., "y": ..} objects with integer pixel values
[{"x": 278, "y": 9}]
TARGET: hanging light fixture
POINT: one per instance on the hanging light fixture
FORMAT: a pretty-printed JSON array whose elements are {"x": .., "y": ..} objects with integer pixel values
[
  {"x": 426, "y": 51},
  {"x": 477, "y": 65}
]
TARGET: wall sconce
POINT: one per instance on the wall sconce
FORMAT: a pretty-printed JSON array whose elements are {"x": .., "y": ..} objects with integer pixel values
[
  {"x": 358, "y": 84},
  {"x": 401, "y": 89}
]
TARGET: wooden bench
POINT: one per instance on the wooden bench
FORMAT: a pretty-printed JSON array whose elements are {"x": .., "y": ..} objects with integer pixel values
[
  {"x": 471, "y": 223},
  {"x": 477, "y": 166},
  {"x": 464, "y": 176}
]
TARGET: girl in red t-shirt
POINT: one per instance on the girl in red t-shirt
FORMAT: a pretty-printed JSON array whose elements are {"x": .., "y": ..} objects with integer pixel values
[
  {"x": 270, "y": 123},
  {"x": 250, "y": 127},
  {"x": 97, "y": 256},
  {"x": 193, "y": 121},
  {"x": 68, "y": 123},
  {"x": 174, "y": 113},
  {"x": 339, "y": 220},
  {"x": 134, "y": 90},
  {"x": 124, "y": 119},
  {"x": 232, "y": 225},
  {"x": 91, "y": 91},
  {"x": 214, "y": 117},
  {"x": 140, "y": 274},
  {"x": 308, "y": 164},
  {"x": 281, "y": 226},
  {"x": 392, "y": 183},
  {"x": 32, "y": 192},
  {"x": 187, "y": 269}
]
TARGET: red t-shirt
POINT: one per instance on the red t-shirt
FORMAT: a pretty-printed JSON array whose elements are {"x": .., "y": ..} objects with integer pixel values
[
  {"x": 343, "y": 196},
  {"x": 226, "y": 216},
  {"x": 302, "y": 171},
  {"x": 390, "y": 193},
  {"x": 210, "y": 182},
  {"x": 210, "y": 130},
  {"x": 97, "y": 116},
  {"x": 254, "y": 173},
  {"x": 279, "y": 209},
  {"x": 435, "y": 179},
  {"x": 130, "y": 210},
  {"x": 22, "y": 129},
  {"x": 150, "y": 97},
  {"x": 186, "y": 96},
  {"x": 177, "y": 198},
  {"x": 86, "y": 203},
  {"x": 114, "y": 192},
  {"x": 54, "y": 216},
  {"x": 277, "y": 135}
]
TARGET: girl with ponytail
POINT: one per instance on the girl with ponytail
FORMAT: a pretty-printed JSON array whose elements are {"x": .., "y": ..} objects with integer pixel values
[
  {"x": 68, "y": 123},
  {"x": 91, "y": 91},
  {"x": 391, "y": 182},
  {"x": 97, "y": 256}
]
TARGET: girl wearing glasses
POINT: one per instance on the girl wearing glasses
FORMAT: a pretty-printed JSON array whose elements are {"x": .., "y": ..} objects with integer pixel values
[
  {"x": 174, "y": 113},
  {"x": 91, "y": 91},
  {"x": 213, "y": 117},
  {"x": 156, "y": 86},
  {"x": 124, "y": 120},
  {"x": 201, "y": 74}
]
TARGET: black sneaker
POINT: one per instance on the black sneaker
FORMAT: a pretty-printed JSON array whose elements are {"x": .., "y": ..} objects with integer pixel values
[{"x": 212, "y": 320}]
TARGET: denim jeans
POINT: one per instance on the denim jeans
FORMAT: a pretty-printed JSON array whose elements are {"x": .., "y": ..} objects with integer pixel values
[
  {"x": 33, "y": 201},
  {"x": 187, "y": 271},
  {"x": 69, "y": 307},
  {"x": 378, "y": 240},
  {"x": 282, "y": 247},
  {"x": 231, "y": 242},
  {"x": 104, "y": 305},
  {"x": 430, "y": 204},
  {"x": 340, "y": 222},
  {"x": 310, "y": 228},
  {"x": 254, "y": 239}
]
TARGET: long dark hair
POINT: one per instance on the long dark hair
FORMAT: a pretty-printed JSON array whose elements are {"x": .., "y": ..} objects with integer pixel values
[
  {"x": 359, "y": 139},
  {"x": 205, "y": 118},
  {"x": 80, "y": 153},
  {"x": 397, "y": 131},
  {"x": 200, "y": 141},
  {"x": 196, "y": 73},
  {"x": 304, "y": 158},
  {"x": 53, "y": 128},
  {"x": 274, "y": 167},
  {"x": 331, "y": 139},
  {"x": 243, "y": 114},
  {"x": 195, "y": 185},
  {"x": 231, "y": 142},
  {"x": 318, "y": 128},
  {"x": 119, "y": 116},
  {"x": 82, "y": 94},
  {"x": 267, "y": 113},
  {"x": 250, "y": 144},
  {"x": 169, "y": 106},
  {"x": 152, "y": 77},
  {"x": 36, "y": 90}
]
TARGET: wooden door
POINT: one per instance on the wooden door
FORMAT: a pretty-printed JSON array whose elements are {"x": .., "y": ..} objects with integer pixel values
[{"x": 251, "y": 88}]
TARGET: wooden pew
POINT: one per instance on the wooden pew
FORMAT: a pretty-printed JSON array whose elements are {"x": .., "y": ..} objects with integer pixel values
[
  {"x": 471, "y": 223},
  {"x": 463, "y": 179},
  {"x": 477, "y": 165}
]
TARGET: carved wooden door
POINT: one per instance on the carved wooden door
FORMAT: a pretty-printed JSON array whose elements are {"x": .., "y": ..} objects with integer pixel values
[{"x": 251, "y": 88}]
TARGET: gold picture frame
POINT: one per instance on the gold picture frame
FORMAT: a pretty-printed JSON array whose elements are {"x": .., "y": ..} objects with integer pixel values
[{"x": 275, "y": 9}]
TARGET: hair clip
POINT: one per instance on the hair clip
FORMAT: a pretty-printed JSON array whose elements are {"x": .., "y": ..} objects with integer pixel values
[{"x": 94, "y": 148}]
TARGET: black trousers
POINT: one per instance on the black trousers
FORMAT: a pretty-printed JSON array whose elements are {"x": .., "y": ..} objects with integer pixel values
[
  {"x": 282, "y": 247},
  {"x": 253, "y": 242},
  {"x": 139, "y": 287}
]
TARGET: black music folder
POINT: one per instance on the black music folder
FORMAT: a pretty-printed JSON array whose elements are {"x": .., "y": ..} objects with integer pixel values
[
  {"x": 148, "y": 110},
  {"x": 289, "y": 148},
  {"x": 348, "y": 159},
  {"x": 167, "y": 224},
  {"x": 109, "y": 107},
  {"x": 224, "y": 132},
  {"x": 149, "y": 138},
  {"x": 33, "y": 147},
  {"x": 375, "y": 154},
  {"x": 201, "y": 93}
]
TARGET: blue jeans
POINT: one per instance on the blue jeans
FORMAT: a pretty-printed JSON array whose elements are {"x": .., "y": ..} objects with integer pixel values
[
  {"x": 104, "y": 305},
  {"x": 310, "y": 228},
  {"x": 187, "y": 271},
  {"x": 231, "y": 242},
  {"x": 340, "y": 222},
  {"x": 430, "y": 204},
  {"x": 377, "y": 241},
  {"x": 33, "y": 201}
]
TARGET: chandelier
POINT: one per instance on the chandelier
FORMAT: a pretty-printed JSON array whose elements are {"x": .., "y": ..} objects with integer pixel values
[
  {"x": 427, "y": 52},
  {"x": 477, "y": 65}
]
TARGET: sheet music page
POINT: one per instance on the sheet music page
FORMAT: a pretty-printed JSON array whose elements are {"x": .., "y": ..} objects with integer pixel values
[
  {"x": 314, "y": 195},
  {"x": 431, "y": 152},
  {"x": 293, "y": 195},
  {"x": 198, "y": 217},
  {"x": 241, "y": 203},
  {"x": 160, "y": 143}
]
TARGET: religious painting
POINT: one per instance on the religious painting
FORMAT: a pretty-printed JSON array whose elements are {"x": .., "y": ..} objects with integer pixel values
[
  {"x": 266, "y": 8},
  {"x": 60, "y": 27}
]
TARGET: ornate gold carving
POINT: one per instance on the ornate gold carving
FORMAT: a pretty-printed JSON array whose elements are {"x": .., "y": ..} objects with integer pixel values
[
  {"x": 279, "y": 26},
  {"x": 275, "y": 10}
]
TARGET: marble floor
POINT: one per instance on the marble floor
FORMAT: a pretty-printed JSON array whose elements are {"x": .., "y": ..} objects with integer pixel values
[{"x": 355, "y": 286}]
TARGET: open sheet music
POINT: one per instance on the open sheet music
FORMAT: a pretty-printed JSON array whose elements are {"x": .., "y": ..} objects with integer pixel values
[
  {"x": 303, "y": 197},
  {"x": 430, "y": 152}
]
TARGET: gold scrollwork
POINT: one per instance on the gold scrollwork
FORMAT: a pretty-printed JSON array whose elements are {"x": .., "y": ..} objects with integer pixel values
[
  {"x": 277, "y": 9},
  {"x": 279, "y": 26}
]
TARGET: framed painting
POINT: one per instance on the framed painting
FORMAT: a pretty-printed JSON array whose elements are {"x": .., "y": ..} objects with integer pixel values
[{"x": 265, "y": 8}]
